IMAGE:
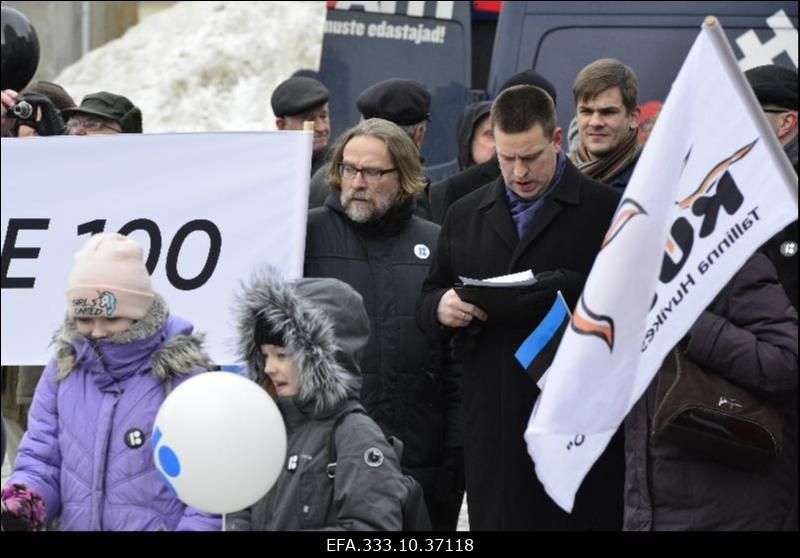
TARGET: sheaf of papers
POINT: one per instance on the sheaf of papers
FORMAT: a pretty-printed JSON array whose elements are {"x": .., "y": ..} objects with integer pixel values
[{"x": 519, "y": 279}]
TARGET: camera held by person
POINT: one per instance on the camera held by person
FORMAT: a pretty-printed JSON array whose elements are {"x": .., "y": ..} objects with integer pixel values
[{"x": 38, "y": 112}]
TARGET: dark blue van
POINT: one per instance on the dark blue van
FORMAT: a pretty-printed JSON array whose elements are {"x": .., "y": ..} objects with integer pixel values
[
  {"x": 431, "y": 42},
  {"x": 447, "y": 45},
  {"x": 559, "y": 38}
]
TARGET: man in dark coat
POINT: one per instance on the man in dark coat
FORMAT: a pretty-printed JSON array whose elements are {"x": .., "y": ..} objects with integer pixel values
[
  {"x": 445, "y": 192},
  {"x": 748, "y": 335},
  {"x": 541, "y": 214},
  {"x": 776, "y": 90},
  {"x": 366, "y": 236},
  {"x": 300, "y": 99}
]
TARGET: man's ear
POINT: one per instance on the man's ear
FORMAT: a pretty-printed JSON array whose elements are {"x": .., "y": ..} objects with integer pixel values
[
  {"x": 280, "y": 123},
  {"x": 787, "y": 125},
  {"x": 418, "y": 135},
  {"x": 635, "y": 113}
]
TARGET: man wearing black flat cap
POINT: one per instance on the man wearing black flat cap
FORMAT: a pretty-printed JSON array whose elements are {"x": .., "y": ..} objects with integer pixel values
[
  {"x": 103, "y": 113},
  {"x": 404, "y": 102},
  {"x": 408, "y": 104},
  {"x": 447, "y": 191},
  {"x": 300, "y": 99},
  {"x": 776, "y": 90}
]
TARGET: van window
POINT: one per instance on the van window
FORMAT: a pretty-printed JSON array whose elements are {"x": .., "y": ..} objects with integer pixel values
[
  {"x": 653, "y": 38},
  {"x": 431, "y": 46}
]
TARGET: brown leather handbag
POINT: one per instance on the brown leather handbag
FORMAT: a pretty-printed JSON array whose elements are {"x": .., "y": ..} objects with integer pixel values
[{"x": 706, "y": 414}]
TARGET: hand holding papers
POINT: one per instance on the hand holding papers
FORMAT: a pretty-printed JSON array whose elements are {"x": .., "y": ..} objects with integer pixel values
[{"x": 519, "y": 299}]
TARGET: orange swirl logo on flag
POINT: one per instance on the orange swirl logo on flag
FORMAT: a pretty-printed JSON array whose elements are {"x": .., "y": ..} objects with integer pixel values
[{"x": 584, "y": 321}]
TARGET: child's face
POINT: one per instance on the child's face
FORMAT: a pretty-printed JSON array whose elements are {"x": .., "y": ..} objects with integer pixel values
[
  {"x": 98, "y": 328},
  {"x": 280, "y": 368}
]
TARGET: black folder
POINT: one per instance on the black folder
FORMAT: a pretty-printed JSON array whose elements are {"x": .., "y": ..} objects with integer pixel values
[{"x": 504, "y": 304}]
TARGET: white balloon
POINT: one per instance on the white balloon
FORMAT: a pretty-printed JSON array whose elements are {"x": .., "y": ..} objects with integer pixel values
[{"x": 219, "y": 441}]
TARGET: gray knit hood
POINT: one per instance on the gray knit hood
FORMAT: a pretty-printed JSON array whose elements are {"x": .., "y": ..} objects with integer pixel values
[{"x": 324, "y": 327}]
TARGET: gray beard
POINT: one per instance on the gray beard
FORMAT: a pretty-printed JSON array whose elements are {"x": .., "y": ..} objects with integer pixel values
[{"x": 364, "y": 213}]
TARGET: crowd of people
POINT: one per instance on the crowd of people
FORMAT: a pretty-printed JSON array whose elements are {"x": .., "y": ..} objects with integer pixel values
[{"x": 376, "y": 338}]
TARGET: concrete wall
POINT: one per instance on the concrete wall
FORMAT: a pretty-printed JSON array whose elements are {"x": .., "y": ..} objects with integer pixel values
[{"x": 59, "y": 28}]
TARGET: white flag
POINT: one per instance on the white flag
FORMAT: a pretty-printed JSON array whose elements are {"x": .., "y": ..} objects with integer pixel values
[{"x": 710, "y": 187}]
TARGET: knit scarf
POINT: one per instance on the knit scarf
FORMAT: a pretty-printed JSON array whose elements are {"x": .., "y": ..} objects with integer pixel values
[{"x": 605, "y": 169}]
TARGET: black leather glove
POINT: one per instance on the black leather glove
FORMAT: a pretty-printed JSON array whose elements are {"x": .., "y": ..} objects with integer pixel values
[
  {"x": 37, "y": 111},
  {"x": 570, "y": 283}
]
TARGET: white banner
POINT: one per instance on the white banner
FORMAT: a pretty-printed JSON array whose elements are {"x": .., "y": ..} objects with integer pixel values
[
  {"x": 711, "y": 186},
  {"x": 207, "y": 208}
]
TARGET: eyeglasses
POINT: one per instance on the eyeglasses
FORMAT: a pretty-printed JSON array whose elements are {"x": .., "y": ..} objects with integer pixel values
[
  {"x": 775, "y": 110},
  {"x": 89, "y": 124},
  {"x": 371, "y": 176}
]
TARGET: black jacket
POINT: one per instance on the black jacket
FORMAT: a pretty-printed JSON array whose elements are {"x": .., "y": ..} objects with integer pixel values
[
  {"x": 445, "y": 192},
  {"x": 408, "y": 386},
  {"x": 479, "y": 240},
  {"x": 749, "y": 336}
]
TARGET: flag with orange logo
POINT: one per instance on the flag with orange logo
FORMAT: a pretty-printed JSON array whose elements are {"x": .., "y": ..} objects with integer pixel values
[{"x": 711, "y": 186}]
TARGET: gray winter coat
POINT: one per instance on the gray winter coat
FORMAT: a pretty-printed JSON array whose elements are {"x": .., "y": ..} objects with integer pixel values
[
  {"x": 325, "y": 328},
  {"x": 749, "y": 336}
]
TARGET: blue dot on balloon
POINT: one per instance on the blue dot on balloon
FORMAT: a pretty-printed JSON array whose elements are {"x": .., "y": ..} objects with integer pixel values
[
  {"x": 156, "y": 437},
  {"x": 169, "y": 461}
]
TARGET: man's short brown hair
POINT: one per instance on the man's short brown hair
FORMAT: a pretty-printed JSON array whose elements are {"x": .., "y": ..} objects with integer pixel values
[
  {"x": 604, "y": 74},
  {"x": 520, "y": 108},
  {"x": 401, "y": 149}
]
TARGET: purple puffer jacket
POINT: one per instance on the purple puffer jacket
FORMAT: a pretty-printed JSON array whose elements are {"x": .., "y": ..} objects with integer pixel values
[{"x": 87, "y": 451}]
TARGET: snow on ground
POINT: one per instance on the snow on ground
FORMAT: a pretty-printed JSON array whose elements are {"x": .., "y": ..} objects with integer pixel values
[{"x": 204, "y": 66}]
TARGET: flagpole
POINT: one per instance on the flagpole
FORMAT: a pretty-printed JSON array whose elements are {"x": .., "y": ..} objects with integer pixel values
[{"x": 753, "y": 107}]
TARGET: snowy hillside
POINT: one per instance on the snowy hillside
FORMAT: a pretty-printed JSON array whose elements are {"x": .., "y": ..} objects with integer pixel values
[{"x": 205, "y": 66}]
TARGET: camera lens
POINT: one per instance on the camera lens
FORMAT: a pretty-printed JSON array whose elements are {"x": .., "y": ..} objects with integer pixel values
[{"x": 22, "y": 110}]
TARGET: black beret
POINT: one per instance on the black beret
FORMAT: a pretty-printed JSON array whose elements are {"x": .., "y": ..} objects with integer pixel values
[
  {"x": 402, "y": 101},
  {"x": 298, "y": 94},
  {"x": 531, "y": 77},
  {"x": 774, "y": 85}
]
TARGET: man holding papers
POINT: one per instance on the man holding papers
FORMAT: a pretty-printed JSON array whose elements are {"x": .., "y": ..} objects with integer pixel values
[{"x": 541, "y": 214}]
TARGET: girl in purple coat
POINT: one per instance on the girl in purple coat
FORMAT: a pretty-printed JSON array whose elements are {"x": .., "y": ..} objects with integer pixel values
[{"x": 86, "y": 462}]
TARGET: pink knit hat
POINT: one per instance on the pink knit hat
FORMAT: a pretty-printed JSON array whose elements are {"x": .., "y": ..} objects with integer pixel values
[{"x": 109, "y": 279}]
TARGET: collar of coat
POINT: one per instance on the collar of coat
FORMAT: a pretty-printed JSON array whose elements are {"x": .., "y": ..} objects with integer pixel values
[
  {"x": 178, "y": 355},
  {"x": 566, "y": 191}
]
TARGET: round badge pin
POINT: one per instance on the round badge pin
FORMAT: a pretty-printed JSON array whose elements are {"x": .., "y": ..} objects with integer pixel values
[
  {"x": 373, "y": 457},
  {"x": 134, "y": 438},
  {"x": 421, "y": 251}
]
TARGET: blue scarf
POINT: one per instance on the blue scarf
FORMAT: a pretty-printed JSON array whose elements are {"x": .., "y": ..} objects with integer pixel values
[{"x": 523, "y": 211}]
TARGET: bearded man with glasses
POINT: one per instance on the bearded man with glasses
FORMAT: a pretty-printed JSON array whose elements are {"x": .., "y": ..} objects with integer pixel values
[{"x": 367, "y": 236}]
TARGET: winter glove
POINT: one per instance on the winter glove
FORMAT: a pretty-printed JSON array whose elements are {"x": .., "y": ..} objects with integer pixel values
[
  {"x": 533, "y": 303},
  {"x": 37, "y": 111},
  {"x": 22, "y": 509},
  {"x": 570, "y": 283}
]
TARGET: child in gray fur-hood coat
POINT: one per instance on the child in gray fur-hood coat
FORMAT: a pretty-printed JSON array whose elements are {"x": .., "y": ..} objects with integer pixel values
[{"x": 311, "y": 332}]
